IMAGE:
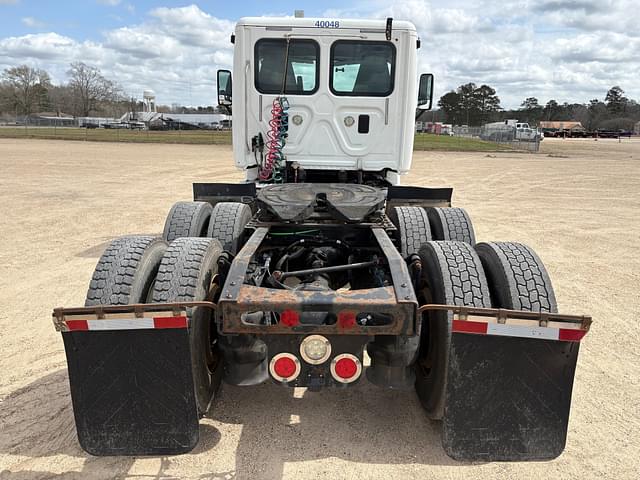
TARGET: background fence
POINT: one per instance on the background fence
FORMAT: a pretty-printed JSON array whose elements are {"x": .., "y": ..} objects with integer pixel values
[
  {"x": 470, "y": 139},
  {"x": 199, "y": 136},
  {"x": 504, "y": 137}
]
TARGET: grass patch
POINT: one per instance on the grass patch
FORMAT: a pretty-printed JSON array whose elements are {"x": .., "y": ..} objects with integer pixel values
[
  {"x": 199, "y": 137},
  {"x": 446, "y": 143},
  {"x": 423, "y": 141}
]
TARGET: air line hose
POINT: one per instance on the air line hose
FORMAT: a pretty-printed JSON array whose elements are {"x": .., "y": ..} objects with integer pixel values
[{"x": 276, "y": 139}]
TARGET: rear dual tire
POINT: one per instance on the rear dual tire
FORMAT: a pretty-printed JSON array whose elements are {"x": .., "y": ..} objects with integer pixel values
[
  {"x": 451, "y": 223},
  {"x": 494, "y": 274},
  {"x": 517, "y": 277},
  {"x": 187, "y": 219},
  {"x": 126, "y": 271},
  {"x": 413, "y": 228},
  {"x": 417, "y": 225},
  {"x": 452, "y": 275},
  {"x": 142, "y": 269},
  {"x": 185, "y": 275},
  {"x": 225, "y": 222},
  {"x": 228, "y": 221}
]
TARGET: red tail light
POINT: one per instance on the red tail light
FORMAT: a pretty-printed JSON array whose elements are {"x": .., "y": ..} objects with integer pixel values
[
  {"x": 347, "y": 319},
  {"x": 290, "y": 318},
  {"x": 346, "y": 368},
  {"x": 284, "y": 367}
]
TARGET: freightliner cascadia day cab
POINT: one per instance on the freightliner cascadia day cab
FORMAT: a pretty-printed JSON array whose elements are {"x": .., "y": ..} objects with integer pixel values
[{"x": 319, "y": 257}]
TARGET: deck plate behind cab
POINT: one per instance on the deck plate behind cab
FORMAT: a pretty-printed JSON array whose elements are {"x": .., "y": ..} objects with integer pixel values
[{"x": 295, "y": 202}]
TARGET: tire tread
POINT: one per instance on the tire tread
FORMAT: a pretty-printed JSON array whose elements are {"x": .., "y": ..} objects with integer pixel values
[
  {"x": 414, "y": 229},
  {"x": 228, "y": 220},
  {"x": 526, "y": 277},
  {"x": 451, "y": 223},
  {"x": 184, "y": 219},
  {"x": 114, "y": 275},
  {"x": 185, "y": 256}
]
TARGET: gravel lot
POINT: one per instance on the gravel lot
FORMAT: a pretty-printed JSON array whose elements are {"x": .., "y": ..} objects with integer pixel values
[{"x": 577, "y": 203}]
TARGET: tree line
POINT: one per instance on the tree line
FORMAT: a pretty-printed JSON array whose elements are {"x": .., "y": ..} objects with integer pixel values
[
  {"x": 475, "y": 105},
  {"x": 26, "y": 91}
]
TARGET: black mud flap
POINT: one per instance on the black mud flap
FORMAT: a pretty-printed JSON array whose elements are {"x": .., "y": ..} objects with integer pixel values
[
  {"x": 507, "y": 398},
  {"x": 132, "y": 391}
]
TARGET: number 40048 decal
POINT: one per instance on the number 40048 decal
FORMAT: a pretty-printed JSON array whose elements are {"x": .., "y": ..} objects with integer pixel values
[{"x": 327, "y": 24}]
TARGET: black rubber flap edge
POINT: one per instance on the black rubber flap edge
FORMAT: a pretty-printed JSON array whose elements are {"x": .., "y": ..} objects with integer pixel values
[
  {"x": 507, "y": 399},
  {"x": 132, "y": 391}
]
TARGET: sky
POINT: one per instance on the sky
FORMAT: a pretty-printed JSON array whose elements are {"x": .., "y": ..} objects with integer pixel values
[{"x": 567, "y": 50}]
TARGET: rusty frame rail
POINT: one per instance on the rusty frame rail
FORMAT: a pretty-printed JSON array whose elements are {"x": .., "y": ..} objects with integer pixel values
[
  {"x": 399, "y": 301},
  {"x": 374, "y": 300}
]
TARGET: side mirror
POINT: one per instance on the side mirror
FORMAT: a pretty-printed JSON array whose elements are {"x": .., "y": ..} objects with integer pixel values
[
  {"x": 224, "y": 88},
  {"x": 425, "y": 91}
]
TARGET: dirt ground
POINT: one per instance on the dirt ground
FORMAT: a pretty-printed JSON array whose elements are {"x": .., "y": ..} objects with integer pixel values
[{"x": 577, "y": 203}]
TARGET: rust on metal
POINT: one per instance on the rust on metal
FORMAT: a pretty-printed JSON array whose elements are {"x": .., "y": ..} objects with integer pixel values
[
  {"x": 238, "y": 271},
  {"x": 281, "y": 301},
  {"x": 502, "y": 315},
  {"x": 308, "y": 300},
  {"x": 373, "y": 300},
  {"x": 237, "y": 298},
  {"x": 397, "y": 267},
  {"x": 137, "y": 309}
]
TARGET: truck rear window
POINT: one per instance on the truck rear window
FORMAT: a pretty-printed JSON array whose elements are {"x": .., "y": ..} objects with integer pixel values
[
  {"x": 361, "y": 68},
  {"x": 302, "y": 66}
]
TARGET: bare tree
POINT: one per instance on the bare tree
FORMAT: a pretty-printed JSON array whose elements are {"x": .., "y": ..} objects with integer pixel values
[
  {"x": 61, "y": 99},
  {"x": 25, "y": 88},
  {"x": 90, "y": 88}
]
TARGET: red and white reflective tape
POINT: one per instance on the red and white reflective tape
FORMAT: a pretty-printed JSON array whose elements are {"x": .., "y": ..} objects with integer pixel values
[
  {"x": 521, "y": 331},
  {"x": 145, "y": 323}
]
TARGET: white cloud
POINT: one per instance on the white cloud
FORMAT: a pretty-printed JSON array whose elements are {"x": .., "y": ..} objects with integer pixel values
[
  {"x": 32, "y": 22},
  {"x": 41, "y": 46},
  {"x": 109, "y": 3},
  {"x": 569, "y": 51},
  {"x": 621, "y": 16},
  {"x": 175, "y": 52}
]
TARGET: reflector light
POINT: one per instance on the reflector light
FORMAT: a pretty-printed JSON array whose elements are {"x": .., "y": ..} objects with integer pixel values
[
  {"x": 137, "y": 323},
  {"x": 77, "y": 325},
  {"x": 285, "y": 367},
  {"x": 346, "y": 368},
  {"x": 347, "y": 319},
  {"x": 315, "y": 349},
  {"x": 571, "y": 335},
  {"x": 170, "y": 322},
  {"x": 518, "y": 330},
  {"x": 290, "y": 318}
]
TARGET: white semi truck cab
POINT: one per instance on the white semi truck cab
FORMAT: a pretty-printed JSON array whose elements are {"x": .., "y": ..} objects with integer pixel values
[
  {"x": 316, "y": 262},
  {"x": 327, "y": 96}
]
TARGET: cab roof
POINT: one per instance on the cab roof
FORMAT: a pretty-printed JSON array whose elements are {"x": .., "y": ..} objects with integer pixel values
[{"x": 309, "y": 22}]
